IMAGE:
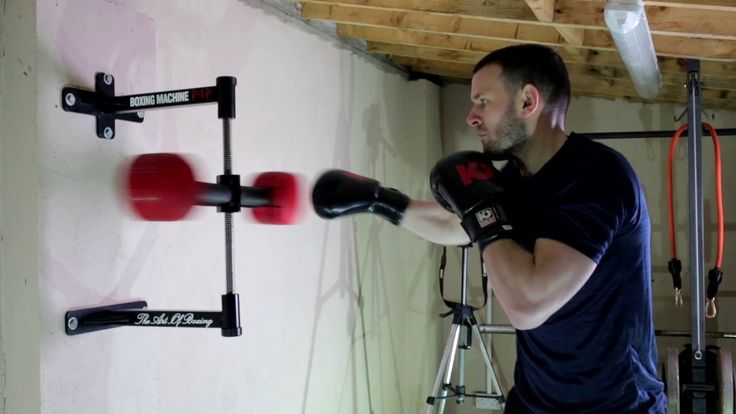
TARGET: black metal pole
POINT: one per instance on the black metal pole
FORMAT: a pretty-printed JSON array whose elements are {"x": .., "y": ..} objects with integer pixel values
[
  {"x": 649, "y": 134},
  {"x": 226, "y": 112},
  {"x": 508, "y": 329},
  {"x": 218, "y": 194}
]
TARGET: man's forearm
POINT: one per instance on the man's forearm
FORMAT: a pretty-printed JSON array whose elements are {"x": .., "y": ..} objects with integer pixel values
[
  {"x": 429, "y": 220},
  {"x": 532, "y": 286}
]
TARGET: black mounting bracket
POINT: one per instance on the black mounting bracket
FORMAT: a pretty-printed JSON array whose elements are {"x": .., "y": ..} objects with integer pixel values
[
  {"x": 93, "y": 103},
  {"x": 80, "y": 321},
  {"x": 106, "y": 107}
]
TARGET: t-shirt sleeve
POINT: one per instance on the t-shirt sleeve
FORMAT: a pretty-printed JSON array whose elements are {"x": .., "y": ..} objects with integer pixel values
[{"x": 590, "y": 213}]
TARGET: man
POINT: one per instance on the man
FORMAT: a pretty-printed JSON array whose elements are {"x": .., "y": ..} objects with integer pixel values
[{"x": 563, "y": 230}]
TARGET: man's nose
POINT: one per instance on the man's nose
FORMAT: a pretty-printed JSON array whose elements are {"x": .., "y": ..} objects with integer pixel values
[{"x": 473, "y": 119}]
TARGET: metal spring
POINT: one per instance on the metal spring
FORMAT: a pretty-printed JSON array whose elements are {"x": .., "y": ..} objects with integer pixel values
[
  {"x": 226, "y": 145},
  {"x": 229, "y": 279},
  {"x": 230, "y": 284}
]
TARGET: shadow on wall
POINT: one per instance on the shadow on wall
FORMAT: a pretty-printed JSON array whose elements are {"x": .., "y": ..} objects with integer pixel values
[
  {"x": 348, "y": 258},
  {"x": 340, "y": 159},
  {"x": 381, "y": 147}
]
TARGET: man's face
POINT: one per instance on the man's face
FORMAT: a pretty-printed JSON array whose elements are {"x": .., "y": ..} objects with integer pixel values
[{"x": 494, "y": 115}]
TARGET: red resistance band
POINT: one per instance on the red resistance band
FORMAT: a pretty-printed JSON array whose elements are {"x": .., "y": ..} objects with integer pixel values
[{"x": 715, "y": 275}]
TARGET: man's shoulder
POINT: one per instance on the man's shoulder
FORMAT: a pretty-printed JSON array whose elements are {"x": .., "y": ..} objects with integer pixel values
[{"x": 600, "y": 157}]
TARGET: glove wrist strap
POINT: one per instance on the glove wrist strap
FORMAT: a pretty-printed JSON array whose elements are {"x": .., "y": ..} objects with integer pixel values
[
  {"x": 486, "y": 225},
  {"x": 391, "y": 204}
]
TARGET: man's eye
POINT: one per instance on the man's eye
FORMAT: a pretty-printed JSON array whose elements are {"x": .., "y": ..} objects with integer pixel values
[{"x": 483, "y": 101}]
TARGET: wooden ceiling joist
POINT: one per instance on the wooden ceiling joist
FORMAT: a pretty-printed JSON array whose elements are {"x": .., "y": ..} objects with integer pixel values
[
  {"x": 671, "y": 68},
  {"x": 461, "y": 63},
  {"x": 447, "y": 37},
  {"x": 525, "y": 32},
  {"x": 710, "y": 19}
]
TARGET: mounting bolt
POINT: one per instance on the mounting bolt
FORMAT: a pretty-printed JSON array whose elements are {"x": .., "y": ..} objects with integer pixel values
[
  {"x": 72, "y": 324},
  {"x": 108, "y": 79},
  {"x": 70, "y": 99},
  {"x": 107, "y": 133}
]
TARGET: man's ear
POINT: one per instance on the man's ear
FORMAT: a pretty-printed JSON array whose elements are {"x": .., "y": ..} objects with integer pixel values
[{"x": 531, "y": 100}]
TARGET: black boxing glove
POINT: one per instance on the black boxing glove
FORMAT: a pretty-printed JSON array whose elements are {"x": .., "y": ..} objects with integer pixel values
[
  {"x": 338, "y": 193},
  {"x": 465, "y": 184}
]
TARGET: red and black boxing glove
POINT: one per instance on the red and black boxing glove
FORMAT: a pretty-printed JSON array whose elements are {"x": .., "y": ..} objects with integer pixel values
[
  {"x": 338, "y": 193},
  {"x": 465, "y": 183}
]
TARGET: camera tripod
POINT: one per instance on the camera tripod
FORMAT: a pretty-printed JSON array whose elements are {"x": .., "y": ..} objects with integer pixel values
[{"x": 462, "y": 317}]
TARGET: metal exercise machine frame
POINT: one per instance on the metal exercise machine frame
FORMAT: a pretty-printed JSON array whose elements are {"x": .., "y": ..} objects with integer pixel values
[
  {"x": 696, "y": 388},
  {"x": 106, "y": 108}
]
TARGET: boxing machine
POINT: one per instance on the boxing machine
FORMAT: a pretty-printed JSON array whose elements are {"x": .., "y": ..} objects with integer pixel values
[{"x": 162, "y": 187}]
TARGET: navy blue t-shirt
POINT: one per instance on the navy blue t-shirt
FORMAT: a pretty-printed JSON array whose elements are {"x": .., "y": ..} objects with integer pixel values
[{"x": 597, "y": 353}]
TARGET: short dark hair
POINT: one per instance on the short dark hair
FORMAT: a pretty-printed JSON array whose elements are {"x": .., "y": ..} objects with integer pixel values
[{"x": 538, "y": 65}]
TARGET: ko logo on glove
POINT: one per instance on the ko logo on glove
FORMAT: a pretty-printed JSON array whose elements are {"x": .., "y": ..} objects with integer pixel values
[
  {"x": 486, "y": 216},
  {"x": 474, "y": 171}
]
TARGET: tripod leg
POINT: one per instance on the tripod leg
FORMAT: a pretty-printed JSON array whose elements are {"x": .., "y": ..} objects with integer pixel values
[
  {"x": 460, "y": 378},
  {"x": 445, "y": 370},
  {"x": 487, "y": 358}
]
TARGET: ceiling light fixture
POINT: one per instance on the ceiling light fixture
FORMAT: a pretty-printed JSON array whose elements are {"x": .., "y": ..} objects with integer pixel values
[{"x": 627, "y": 22}]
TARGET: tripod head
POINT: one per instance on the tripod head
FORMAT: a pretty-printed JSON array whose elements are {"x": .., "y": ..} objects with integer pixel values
[{"x": 463, "y": 283}]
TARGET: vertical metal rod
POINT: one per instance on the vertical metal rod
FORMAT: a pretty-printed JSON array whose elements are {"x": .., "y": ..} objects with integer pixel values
[
  {"x": 464, "y": 281},
  {"x": 466, "y": 332},
  {"x": 227, "y": 155},
  {"x": 491, "y": 381},
  {"x": 697, "y": 278}
]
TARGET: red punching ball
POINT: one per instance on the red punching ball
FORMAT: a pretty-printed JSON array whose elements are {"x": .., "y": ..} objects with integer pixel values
[
  {"x": 161, "y": 187},
  {"x": 283, "y": 195}
]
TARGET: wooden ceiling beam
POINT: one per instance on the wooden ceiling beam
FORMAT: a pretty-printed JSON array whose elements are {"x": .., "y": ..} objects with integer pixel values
[
  {"x": 512, "y": 10},
  {"x": 666, "y": 21},
  {"x": 607, "y": 93},
  {"x": 447, "y": 69},
  {"x": 412, "y": 37},
  {"x": 715, "y": 74},
  {"x": 478, "y": 27},
  {"x": 668, "y": 93},
  {"x": 583, "y": 87},
  {"x": 632, "y": 97},
  {"x": 430, "y": 53},
  {"x": 670, "y": 80},
  {"x": 578, "y": 72},
  {"x": 447, "y": 38},
  {"x": 429, "y": 22},
  {"x": 465, "y": 70},
  {"x": 544, "y": 10},
  {"x": 673, "y": 18},
  {"x": 684, "y": 47},
  {"x": 719, "y": 5}
]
